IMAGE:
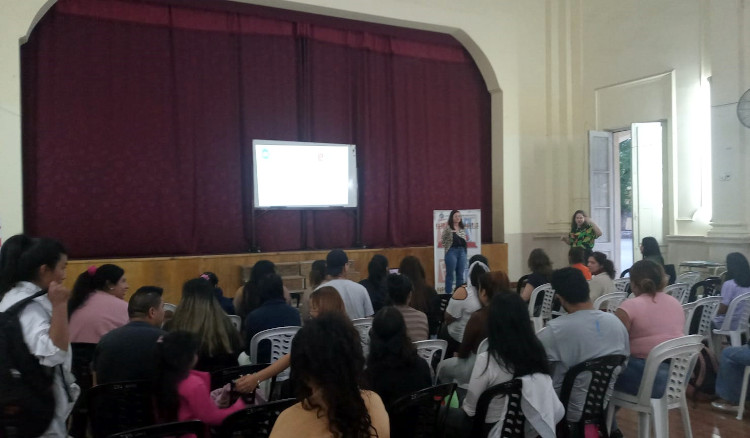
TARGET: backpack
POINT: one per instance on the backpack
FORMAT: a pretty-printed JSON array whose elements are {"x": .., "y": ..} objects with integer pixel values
[
  {"x": 702, "y": 384},
  {"x": 27, "y": 400}
]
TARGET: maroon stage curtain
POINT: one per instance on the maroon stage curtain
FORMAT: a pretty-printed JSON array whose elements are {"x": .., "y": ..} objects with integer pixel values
[{"x": 138, "y": 121}]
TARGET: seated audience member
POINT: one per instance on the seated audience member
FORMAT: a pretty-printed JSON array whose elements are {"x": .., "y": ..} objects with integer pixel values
[
  {"x": 393, "y": 367},
  {"x": 729, "y": 379},
  {"x": 650, "y": 250},
  {"x": 737, "y": 283},
  {"x": 356, "y": 299},
  {"x": 247, "y": 298},
  {"x": 458, "y": 368},
  {"x": 462, "y": 304},
  {"x": 182, "y": 393},
  {"x": 399, "y": 294},
  {"x": 423, "y": 296},
  {"x": 226, "y": 303},
  {"x": 541, "y": 272},
  {"x": 316, "y": 277},
  {"x": 127, "y": 353},
  {"x": 577, "y": 258},
  {"x": 199, "y": 313},
  {"x": 602, "y": 275},
  {"x": 322, "y": 300},
  {"x": 97, "y": 303},
  {"x": 327, "y": 365},
  {"x": 273, "y": 313},
  {"x": 514, "y": 352},
  {"x": 583, "y": 333},
  {"x": 375, "y": 283},
  {"x": 651, "y": 317}
]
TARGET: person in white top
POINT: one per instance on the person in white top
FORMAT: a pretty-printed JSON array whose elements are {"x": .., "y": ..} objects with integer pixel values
[
  {"x": 355, "y": 296},
  {"x": 602, "y": 275},
  {"x": 463, "y": 303},
  {"x": 28, "y": 265}
]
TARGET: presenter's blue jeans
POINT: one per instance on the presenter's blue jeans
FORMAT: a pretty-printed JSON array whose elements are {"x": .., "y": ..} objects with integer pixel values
[
  {"x": 731, "y": 368},
  {"x": 455, "y": 264}
]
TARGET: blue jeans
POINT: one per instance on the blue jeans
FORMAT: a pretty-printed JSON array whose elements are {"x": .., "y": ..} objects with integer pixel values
[
  {"x": 731, "y": 367},
  {"x": 455, "y": 263},
  {"x": 629, "y": 379}
]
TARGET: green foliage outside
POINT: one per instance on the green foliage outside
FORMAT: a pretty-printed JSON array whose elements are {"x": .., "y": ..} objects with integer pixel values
[{"x": 626, "y": 178}]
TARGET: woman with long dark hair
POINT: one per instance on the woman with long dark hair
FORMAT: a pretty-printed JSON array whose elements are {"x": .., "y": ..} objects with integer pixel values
[
  {"x": 28, "y": 266},
  {"x": 423, "y": 296},
  {"x": 182, "y": 393},
  {"x": 737, "y": 283},
  {"x": 377, "y": 271},
  {"x": 247, "y": 298},
  {"x": 327, "y": 365},
  {"x": 393, "y": 367},
  {"x": 199, "y": 313},
  {"x": 513, "y": 352},
  {"x": 316, "y": 277},
  {"x": 650, "y": 250},
  {"x": 454, "y": 244},
  {"x": 97, "y": 304},
  {"x": 602, "y": 275}
]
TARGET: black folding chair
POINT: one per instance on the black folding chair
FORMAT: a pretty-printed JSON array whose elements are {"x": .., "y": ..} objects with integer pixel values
[
  {"x": 419, "y": 414},
  {"x": 83, "y": 354},
  {"x": 176, "y": 429},
  {"x": 221, "y": 377},
  {"x": 443, "y": 301},
  {"x": 521, "y": 283},
  {"x": 254, "y": 421},
  {"x": 604, "y": 371},
  {"x": 513, "y": 426},
  {"x": 120, "y": 406},
  {"x": 709, "y": 287}
]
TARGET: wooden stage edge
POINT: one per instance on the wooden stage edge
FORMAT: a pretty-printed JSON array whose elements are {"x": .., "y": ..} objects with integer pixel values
[{"x": 172, "y": 272}]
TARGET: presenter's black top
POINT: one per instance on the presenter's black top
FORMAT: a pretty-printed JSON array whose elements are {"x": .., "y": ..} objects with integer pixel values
[{"x": 458, "y": 241}]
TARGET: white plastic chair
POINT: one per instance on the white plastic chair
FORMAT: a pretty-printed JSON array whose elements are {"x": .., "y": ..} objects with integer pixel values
[
  {"x": 680, "y": 291},
  {"x": 169, "y": 307},
  {"x": 363, "y": 326},
  {"x": 427, "y": 349},
  {"x": 545, "y": 314},
  {"x": 236, "y": 322},
  {"x": 682, "y": 353},
  {"x": 281, "y": 344},
  {"x": 739, "y": 310},
  {"x": 621, "y": 284},
  {"x": 689, "y": 278},
  {"x": 743, "y": 392},
  {"x": 710, "y": 306},
  {"x": 610, "y": 301}
]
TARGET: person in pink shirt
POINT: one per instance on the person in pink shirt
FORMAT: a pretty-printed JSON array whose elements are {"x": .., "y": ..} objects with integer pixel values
[
  {"x": 651, "y": 317},
  {"x": 97, "y": 304},
  {"x": 182, "y": 393}
]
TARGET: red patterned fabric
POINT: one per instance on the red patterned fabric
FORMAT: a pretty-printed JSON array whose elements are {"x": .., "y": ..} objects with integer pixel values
[{"x": 138, "y": 121}]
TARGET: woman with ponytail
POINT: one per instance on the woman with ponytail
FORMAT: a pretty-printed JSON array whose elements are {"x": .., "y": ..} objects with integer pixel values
[
  {"x": 27, "y": 267},
  {"x": 602, "y": 275},
  {"x": 97, "y": 305},
  {"x": 651, "y": 317}
]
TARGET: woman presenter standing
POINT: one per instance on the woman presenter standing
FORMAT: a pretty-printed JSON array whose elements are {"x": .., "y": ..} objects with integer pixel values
[
  {"x": 454, "y": 243},
  {"x": 583, "y": 232}
]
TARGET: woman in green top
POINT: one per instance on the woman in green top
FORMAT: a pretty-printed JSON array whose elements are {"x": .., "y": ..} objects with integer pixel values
[{"x": 583, "y": 232}]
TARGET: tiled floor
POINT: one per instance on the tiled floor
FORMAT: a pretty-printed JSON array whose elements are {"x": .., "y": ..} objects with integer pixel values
[{"x": 704, "y": 420}]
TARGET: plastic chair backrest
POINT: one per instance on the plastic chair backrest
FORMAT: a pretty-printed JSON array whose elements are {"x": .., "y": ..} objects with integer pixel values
[
  {"x": 513, "y": 426},
  {"x": 363, "y": 326},
  {"x": 169, "y": 307},
  {"x": 427, "y": 349},
  {"x": 521, "y": 283},
  {"x": 624, "y": 273},
  {"x": 120, "y": 406},
  {"x": 221, "y": 377},
  {"x": 681, "y": 352},
  {"x": 419, "y": 414},
  {"x": 281, "y": 344},
  {"x": 622, "y": 284},
  {"x": 707, "y": 306},
  {"x": 739, "y": 310},
  {"x": 194, "y": 428},
  {"x": 689, "y": 278},
  {"x": 709, "y": 287},
  {"x": 545, "y": 311},
  {"x": 604, "y": 371},
  {"x": 236, "y": 322},
  {"x": 680, "y": 291},
  {"x": 611, "y": 300},
  {"x": 254, "y": 421}
]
